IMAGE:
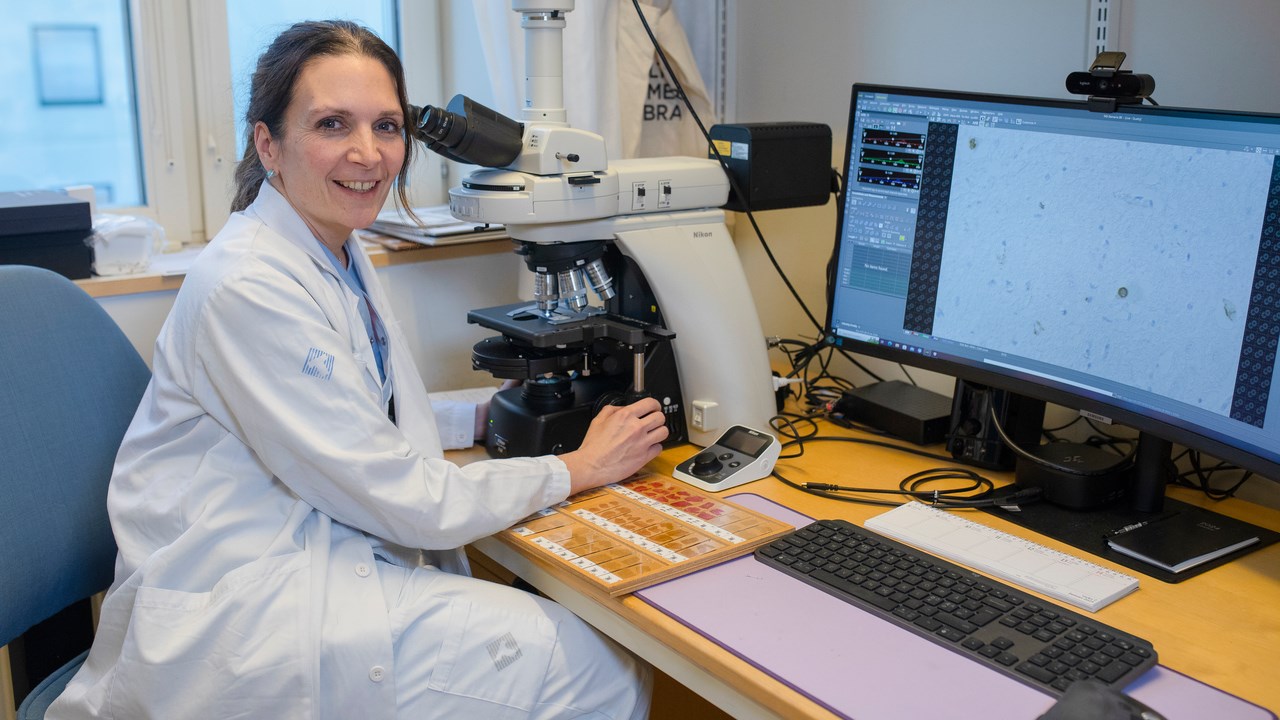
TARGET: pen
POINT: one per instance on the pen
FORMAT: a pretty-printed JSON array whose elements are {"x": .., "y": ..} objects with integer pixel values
[{"x": 1134, "y": 526}]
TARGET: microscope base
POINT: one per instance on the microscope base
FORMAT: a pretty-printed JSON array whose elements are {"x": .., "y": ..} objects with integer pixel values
[{"x": 516, "y": 430}]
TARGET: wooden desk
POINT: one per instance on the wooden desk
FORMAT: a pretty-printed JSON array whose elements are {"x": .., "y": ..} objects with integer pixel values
[{"x": 1222, "y": 627}]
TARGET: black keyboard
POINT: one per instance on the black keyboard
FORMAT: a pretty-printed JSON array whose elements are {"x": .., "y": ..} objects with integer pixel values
[{"x": 1035, "y": 641}]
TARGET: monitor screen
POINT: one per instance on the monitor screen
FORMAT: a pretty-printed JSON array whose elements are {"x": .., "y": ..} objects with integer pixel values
[{"x": 1123, "y": 263}]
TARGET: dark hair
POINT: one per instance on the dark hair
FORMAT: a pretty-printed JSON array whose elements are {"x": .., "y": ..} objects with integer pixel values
[{"x": 271, "y": 91}]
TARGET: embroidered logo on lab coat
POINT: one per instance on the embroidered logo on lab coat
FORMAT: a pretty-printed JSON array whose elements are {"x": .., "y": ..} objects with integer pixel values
[
  {"x": 504, "y": 651},
  {"x": 319, "y": 364}
]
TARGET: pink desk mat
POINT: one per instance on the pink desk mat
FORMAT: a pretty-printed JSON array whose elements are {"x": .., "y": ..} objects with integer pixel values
[{"x": 857, "y": 665}]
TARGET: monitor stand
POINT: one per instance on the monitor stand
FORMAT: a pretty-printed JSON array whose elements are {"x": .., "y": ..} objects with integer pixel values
[{"x": 1087, "y": 529}]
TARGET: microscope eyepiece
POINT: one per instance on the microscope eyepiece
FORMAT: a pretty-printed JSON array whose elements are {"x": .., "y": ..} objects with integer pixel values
[{"x": 469, "y": 132}]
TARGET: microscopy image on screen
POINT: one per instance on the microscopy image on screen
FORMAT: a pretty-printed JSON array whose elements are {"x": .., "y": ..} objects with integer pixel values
[{"x": 1045, "y": 248}]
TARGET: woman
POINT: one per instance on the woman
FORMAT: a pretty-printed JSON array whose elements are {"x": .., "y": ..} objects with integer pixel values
[{"x": 289, "y": 534}]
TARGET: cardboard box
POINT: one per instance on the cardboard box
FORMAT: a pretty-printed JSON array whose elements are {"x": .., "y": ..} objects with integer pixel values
[{"x": 46, "y": 229}]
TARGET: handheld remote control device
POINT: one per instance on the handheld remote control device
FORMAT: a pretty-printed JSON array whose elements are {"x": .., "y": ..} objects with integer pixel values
[{"x": 738, "y": 456}]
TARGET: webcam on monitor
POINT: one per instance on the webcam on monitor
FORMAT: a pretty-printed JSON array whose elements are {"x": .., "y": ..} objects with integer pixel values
[{"x": 1108, "y": 86}]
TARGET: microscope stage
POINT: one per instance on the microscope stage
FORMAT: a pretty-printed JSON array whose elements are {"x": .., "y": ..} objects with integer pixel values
[{"x": 523, "y": 323}]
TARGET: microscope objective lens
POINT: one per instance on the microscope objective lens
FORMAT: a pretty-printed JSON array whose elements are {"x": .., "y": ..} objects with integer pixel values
[
  {"x": 573, "y": 289},
  {"x": 600, "y": 280}
]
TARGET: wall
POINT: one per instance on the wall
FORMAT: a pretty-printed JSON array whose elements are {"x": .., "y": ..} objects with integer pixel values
[{"x": 797, "y": 61}]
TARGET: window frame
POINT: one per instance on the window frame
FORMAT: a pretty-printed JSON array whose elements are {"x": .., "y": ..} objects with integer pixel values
[{"x": 159, "y": 35}]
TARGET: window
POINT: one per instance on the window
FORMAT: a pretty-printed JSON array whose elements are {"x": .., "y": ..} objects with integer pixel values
[
  {"x": 70, "y": 101},
  {"x": 140, "y": 98},
  {"x": 253, "y": 24}
]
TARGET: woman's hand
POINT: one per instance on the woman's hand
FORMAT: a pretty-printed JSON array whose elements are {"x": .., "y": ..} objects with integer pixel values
[{"x": 620, "y": 440}]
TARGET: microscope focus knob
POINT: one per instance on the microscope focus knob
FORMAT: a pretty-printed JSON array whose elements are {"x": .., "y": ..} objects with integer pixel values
[{"x": 705, "y": 463}]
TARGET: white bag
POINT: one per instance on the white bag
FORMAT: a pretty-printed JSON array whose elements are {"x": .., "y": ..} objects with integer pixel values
[{"x": 123, "y": 244}]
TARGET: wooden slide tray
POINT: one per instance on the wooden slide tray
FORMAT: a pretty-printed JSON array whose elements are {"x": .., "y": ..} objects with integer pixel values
[{"x": 647, "y": 529}]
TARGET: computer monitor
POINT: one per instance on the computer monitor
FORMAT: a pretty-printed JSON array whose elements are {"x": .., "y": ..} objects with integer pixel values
[{"x": 1124, "y": 263}]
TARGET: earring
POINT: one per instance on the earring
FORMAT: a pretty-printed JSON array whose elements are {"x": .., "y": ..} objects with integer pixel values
[{"x": 271, "y": 174}]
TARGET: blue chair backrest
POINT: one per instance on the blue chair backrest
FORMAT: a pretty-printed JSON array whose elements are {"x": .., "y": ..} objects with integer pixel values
[{"x": 70, "y": 382}]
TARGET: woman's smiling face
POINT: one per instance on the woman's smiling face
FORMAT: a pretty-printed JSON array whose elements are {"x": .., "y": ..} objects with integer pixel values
[{"x": 342, "y": 145}]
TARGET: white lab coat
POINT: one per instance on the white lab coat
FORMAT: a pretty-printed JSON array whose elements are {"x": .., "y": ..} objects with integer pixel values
[{"x": 258, "y": 481}]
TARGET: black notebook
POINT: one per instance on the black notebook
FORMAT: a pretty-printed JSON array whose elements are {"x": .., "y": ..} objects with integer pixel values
[{"x": 1184, "y": 540}]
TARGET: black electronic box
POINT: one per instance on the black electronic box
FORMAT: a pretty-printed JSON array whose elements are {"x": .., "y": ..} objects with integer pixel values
[
  {"x": 46, "y": 229},
  {"x": 905, "y": 411},
  {"x": 776, "y": 164}
]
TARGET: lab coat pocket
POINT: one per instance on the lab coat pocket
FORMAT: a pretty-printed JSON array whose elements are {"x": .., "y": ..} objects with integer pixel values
[
  {"x": 240, "y": 650},
  {"x": 496, "y": 654}
]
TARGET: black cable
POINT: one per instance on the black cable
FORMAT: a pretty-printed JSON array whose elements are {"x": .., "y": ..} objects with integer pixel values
[
  {"x": 1073, "y": 421},
  {"x": 1111, "y": 442},
  {"x": 787, "y": 425},
  {"x": 904, "y": 372},
  {"x": 1017, "y": 450},
  {"x": 1100, "y": 439},
  {"x": 821, "y": 387},
  {"x": 1203, "y": 477},
  {"x": 662, "y": 56},
  {"x": 1104, "y": 439},
  {"x": 817, "y": 347},
  {"x": 977, "y": 493}
]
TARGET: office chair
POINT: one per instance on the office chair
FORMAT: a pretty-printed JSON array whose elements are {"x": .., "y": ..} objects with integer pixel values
[{"x": 71, "y": 383}]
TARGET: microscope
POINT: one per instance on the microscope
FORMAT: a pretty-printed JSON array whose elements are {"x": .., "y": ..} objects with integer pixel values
[{"x": 675, "y": 319}]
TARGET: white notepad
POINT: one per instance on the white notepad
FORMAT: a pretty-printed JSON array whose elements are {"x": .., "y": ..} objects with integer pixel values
[
  {"x": 1009, "y": 557},
  {"x": 434, "y": 226}
]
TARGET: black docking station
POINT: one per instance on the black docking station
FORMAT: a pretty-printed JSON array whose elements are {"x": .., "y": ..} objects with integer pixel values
[{"x": 900, "y": 409}]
